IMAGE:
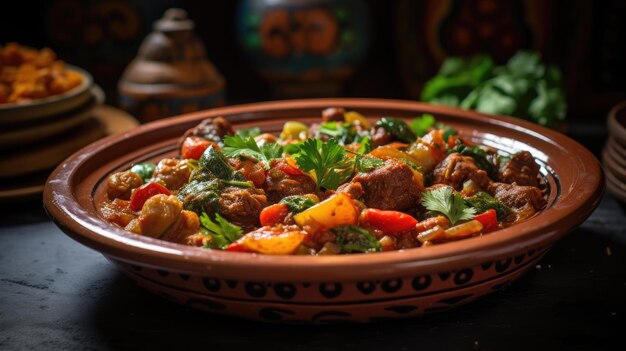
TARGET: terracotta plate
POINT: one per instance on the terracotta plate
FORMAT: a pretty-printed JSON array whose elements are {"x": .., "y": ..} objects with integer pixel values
[{"x": 360, "y": 287}]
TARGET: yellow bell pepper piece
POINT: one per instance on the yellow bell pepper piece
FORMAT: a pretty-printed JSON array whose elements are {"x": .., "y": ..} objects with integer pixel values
[
  {"x": 293, "y": 130},
  {"x": 269, "y": 244},
  {"x": 335, "y": 211}
]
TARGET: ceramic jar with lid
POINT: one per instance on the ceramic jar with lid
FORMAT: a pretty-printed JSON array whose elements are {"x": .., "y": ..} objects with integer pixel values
[{"x": 171, "y": 73}]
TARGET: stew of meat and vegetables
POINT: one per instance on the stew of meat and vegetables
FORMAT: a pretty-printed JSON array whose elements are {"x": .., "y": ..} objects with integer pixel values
[{"x": 345, "y": 185}]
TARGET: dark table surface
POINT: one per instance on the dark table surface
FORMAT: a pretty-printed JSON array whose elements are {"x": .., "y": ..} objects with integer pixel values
[{"x": 56, "y": 294}]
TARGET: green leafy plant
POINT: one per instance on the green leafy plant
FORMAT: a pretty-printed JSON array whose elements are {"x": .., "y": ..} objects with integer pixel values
[{"x": 524, "y": 87}]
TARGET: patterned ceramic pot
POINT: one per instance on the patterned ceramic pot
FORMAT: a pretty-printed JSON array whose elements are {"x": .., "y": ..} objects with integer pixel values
[
  {"x": 305, "y": 47},
  {"x": 327, "y": 289}
]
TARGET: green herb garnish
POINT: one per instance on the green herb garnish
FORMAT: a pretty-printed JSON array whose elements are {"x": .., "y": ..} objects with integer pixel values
[
  {"x": 326, "y": 160},
  {"x": 449, "y": 204},
  {"x": 483, "y": 202},
  {"x": 237, "y": 146},
  {"x": 221, "y": 232}
]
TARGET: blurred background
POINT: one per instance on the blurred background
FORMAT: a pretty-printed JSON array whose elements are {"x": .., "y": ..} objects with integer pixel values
[{"x": 389, "y": 48}]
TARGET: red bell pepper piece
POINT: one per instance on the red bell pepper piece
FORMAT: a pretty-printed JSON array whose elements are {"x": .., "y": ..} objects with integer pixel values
[
  {"x": 489, "y": 220},
  {"x": 288, "y": 168},
  {"x": 193, "y": 147},
  {"x": 143, "y": 193},
  {"x": 274, "y": 214},
  {"x": 237, "y": 247},
  {"x": 388, "y": 221}
]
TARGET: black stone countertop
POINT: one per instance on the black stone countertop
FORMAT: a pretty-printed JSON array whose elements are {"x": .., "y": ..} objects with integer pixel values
[{"x": 56, "y": 294}]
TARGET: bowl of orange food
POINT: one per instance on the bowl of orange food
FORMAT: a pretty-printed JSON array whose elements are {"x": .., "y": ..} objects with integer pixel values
[
  {"x": 36, "y": 85},
  {"x": 295, "y": 212}
]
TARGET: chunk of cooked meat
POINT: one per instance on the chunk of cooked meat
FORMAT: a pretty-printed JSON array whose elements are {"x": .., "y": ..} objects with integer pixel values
[
  {"x": 242, "y": 206},
  {"x": 521, "y": 170},
  {"x": 213, "y": 129},
  {"x": 279, "y": 184},
  {"x": 455, "y": 169},
  {"x": 253, "y": 171},
  {"x": 118, "y": 211},
  {"x": 393, "y": 186},
  {"x": 524, "y": 201},
  {"x": 121, "y": 184},
  {"x": 158, "y": 214},
  {"x": 174, "y": 173},
  {"x": 355, "y": 189},
  {"x": 333, "y": 114}
]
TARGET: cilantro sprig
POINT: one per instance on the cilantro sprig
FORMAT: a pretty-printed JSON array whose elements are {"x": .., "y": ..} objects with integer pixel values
[
  {"x": 326, "y": 160},
  {"x": 237, "y": 146},
  {"x": 221, "y": 231},
  {"x": 449, "y": 204}
]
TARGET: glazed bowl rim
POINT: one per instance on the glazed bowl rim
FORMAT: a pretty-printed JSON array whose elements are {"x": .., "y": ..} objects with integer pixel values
[{"x": 573, "y": 208}]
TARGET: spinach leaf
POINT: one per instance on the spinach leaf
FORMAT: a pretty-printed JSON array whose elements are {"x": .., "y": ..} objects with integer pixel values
[
  {"x": 353, "y": 239},
  {"x": 397, "y": 128},
  {"x": 201, "y": 195}
]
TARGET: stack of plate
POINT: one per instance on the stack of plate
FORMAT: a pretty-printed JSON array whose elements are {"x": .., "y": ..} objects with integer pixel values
[
  {"x": 614, "y": 153},
  {"x": 36, "y": 136}
]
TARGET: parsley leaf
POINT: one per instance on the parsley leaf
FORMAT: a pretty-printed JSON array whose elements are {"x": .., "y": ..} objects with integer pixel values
[
  {"x": 221, "y": 232},
  {"x": 237, "y": 146},
  {"x": 451, "y": 205},
  {"x": 327, "y": 161}
]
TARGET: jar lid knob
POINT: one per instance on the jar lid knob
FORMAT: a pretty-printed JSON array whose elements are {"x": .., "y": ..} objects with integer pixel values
[{"x": 174, "y": 20}]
